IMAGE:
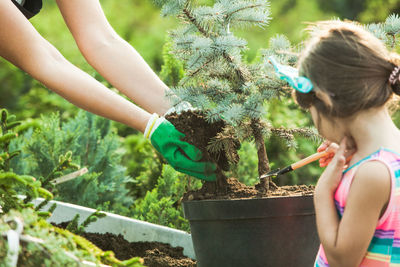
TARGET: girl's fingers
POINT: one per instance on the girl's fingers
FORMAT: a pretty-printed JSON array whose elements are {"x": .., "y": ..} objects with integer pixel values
[
  {"x": 342, "y": 163},
  {"x": 325, "y": 162},
  {"x": 337, "y": 154},
  {"x": 340, "y": 153},
  {"x": 329, "y": 147},
  {"x": 323, "y": 146},
  {"x": 332, "y": 148}
]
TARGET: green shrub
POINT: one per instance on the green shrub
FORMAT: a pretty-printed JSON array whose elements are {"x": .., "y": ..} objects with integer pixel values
[
  {"x": 11, "y": 183},
  {"x": 172, "y": 70},
  {"x": 45, "y": 245},
  {"x": 161, "y": 205},
  {"x": 144, "y": 165},
  {"x": 93, "y": 145}
]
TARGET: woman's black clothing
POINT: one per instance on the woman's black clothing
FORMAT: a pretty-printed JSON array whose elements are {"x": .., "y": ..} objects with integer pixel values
[{"x": 30, "y": 8}]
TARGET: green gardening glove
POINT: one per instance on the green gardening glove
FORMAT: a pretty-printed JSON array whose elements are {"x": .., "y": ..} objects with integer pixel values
[{"x": 181, "y": 155}]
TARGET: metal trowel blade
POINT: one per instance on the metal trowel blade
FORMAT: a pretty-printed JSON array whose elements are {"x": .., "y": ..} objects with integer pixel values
[{"x": 271, "y": 173}]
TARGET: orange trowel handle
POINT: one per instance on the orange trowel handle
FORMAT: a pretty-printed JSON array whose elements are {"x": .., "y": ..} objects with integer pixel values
[{"x": 309, "y": 159}]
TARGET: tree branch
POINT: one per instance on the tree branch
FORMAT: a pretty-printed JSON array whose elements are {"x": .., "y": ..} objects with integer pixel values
[{"x": 243, "y": 8}]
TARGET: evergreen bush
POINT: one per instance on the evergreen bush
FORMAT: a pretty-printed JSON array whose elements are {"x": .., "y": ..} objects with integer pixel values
[
  {"x": 161, "y": 205},
  {"x": 88, "y": 141},
  {"x": 40, "y": 243},
  {"x": 144, "y": 164},
  {"x": 12, "y": 183}
]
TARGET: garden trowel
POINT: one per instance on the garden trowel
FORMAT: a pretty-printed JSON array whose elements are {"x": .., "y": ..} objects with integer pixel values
[{"x": 295, "y": 165}]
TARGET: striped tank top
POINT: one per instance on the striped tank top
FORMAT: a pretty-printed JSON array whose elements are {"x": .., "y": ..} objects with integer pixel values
[{"x": 384, "y": 249}]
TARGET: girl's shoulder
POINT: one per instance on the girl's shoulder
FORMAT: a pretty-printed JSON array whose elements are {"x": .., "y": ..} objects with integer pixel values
[
  {"x": 385, "y": 155},
  {"x": 370, "y": 181},
  {"x": 375, "y": 172}
]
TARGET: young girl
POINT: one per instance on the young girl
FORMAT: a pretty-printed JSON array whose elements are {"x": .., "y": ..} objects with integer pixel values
[{"x": 358, "y": 207}]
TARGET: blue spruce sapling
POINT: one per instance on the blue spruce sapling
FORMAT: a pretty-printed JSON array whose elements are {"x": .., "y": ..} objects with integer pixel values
[{"x": 218, "y": 81}]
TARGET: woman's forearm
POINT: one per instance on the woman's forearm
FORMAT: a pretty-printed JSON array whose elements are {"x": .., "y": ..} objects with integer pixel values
[
  {"x": 121, "y": 65},
  {"x": 22, "y": 45},
  {"x": 84, "y": 91}
]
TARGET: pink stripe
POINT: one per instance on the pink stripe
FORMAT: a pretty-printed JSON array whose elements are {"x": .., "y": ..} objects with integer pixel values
[{"x": 373, "y": 263}]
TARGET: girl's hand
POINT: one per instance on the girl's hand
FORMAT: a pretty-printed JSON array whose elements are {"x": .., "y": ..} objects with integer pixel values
[
  {"x": 332, "y": 148},
  {"x": 329, "y": 147},
  {"x": 332, "y": 175}
]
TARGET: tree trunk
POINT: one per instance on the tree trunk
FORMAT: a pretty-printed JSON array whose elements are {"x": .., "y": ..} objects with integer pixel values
[{"x": 263, "y": 162}]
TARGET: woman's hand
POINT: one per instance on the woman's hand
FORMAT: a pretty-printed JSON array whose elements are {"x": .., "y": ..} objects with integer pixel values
[{"x": 181, "y": 155}]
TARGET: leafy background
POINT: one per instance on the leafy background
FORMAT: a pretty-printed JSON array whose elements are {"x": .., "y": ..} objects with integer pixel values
[{"x": 126, "y": 175}]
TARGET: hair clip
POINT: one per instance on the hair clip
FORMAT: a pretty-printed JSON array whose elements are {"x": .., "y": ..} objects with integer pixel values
[
  {"x": 291, "y": 75},
  {"x": 395, "y": 76}
]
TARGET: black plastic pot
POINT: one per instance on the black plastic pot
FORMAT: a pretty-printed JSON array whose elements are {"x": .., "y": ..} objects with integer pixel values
[{"x": 278, "y": 232}]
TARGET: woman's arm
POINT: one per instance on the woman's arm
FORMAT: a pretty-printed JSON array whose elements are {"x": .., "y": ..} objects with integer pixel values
[
  {"x": 23, "y": 46},
  {"x": 115, "y": 59}
]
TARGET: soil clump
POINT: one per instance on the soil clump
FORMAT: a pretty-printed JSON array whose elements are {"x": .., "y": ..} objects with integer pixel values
[{"x": 199, "y": 132}]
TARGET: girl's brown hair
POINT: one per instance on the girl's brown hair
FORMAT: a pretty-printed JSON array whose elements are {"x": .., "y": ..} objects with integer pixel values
[{"x": 349, "y": 68}]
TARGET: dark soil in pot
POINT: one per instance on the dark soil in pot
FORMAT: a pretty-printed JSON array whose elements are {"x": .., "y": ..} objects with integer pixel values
[
  {"x": 154, "y": 254},
  {"x": 199, "y": 132},
  {"x": 236, "y": 190}
]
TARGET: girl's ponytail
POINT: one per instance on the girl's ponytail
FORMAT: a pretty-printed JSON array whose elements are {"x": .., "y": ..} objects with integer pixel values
[{"x": 394, "y": 78}]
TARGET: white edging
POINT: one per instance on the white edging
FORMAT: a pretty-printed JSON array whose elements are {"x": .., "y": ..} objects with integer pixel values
[{"x": 132, "y": 230}]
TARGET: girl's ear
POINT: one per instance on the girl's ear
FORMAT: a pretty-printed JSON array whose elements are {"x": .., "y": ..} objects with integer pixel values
[{"x": 324, "y": 97}]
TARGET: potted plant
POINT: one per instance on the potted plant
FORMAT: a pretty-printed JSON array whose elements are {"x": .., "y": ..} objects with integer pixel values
[{"x": 229, "y": 94}]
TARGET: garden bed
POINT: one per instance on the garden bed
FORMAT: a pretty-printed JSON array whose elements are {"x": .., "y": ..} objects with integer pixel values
[
  {"x": 159, "y": 246},
  {"x": 154, "y": 254}
]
